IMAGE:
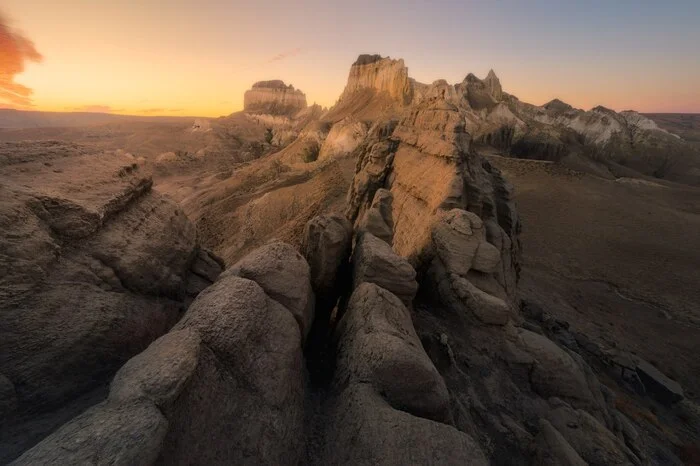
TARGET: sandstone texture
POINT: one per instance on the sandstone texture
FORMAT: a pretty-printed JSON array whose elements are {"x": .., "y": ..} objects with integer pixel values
[
  {"x": 233, "y": 360},
  {"x": 96, "y": 266}
]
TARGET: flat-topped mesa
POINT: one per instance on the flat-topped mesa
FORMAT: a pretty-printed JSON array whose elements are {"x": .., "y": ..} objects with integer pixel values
[
  {"x": 274, "y": 98},
  {"x": 379, "y": 74}
]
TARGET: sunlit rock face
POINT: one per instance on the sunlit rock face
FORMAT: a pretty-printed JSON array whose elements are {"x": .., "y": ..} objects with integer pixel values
[
  {"x": 274, "y": 98},
  {"x": 380, "y": 74}
]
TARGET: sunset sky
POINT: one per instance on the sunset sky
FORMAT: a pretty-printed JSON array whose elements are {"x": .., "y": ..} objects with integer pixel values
[{"x": 198, "y": 57}]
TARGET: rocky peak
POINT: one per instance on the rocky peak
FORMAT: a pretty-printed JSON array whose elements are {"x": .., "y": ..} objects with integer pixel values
[
  {"x": 274, "y": 97},
  {"x": 366, "y": 59},
  {"x": 557, "y": 105},
  {"x": 493, "y": 84},
  {"x": 382, "y": 75}
]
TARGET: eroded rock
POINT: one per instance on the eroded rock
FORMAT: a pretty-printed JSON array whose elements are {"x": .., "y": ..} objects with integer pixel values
[{"x": 375, "y": 262}]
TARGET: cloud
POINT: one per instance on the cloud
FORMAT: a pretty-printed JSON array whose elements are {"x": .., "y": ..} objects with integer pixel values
[
  {"x": 286, "y": 54},
  {"x": 95, "y": 109},
  {"x": 15, "y": 51}
]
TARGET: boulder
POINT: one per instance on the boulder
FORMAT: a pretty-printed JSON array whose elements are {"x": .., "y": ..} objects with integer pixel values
[
  {"x": 284, "y": 275},
  {"x": 657, "y": 384},
  {"x": 554, "y": 372},
  {"x": 363, "y": 430},
  {"x": 249, "y": 377},
  {"x": 233, "y": 361},
  {"x": 378, "y": 344},
  {"x": 159, "y": 373},
  {"x": 119, "y": 434},
  {"x": 374, "y": 262},
  {"x": 378, "y": 218},
  {"x": 459, "y": 239},
  {"x": 326, "y": 245},
  {"x": 388, "y": 404}
]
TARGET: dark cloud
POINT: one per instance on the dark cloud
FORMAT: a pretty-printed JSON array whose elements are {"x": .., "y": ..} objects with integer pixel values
[
  {"x": 15, "y": 51},
  {"x": 285, "y": 55}
]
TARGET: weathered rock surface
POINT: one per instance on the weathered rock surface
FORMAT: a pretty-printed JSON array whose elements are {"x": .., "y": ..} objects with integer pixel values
[
  {"x": 326, "y": 245},
  {"x": 234, "y": 360},
  {"x": 108, "y": 433},
  {"x": 375, "y": 262},
  {"x": 591, "y": 440},
  {"x": 378, "y": 218},
  {"x": 383, "y": 75},
  {"x": 284, "y": 275},
  {"x": 273, "y": 98},
  {"x": 390, "y": 400},
  {"x": 96, "y": 267},
  {"x": 553, "y": 449},
  {"x": 378, "y": 344},
  {"x": 343, "y": 138}
]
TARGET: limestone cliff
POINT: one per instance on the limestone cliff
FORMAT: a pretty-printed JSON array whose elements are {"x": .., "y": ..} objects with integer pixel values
[{"x": 274, "y": 98}]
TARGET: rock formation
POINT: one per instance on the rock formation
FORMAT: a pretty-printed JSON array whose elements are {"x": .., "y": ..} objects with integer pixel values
[
  {"x": 234, "y": 360},
  {"x": 395, "y": 335},
  {"x": 383, "y": 75},
  {"x": 97, "y": 265},
  {"x": 274, "y": 98}
]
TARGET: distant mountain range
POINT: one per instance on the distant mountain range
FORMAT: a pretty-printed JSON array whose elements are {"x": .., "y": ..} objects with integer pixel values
[{"x": 19, "y": 119}]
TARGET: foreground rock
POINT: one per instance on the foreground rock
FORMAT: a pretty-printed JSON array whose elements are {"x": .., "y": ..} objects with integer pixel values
[
  {"x": 97, "y": 267},
  {"x": 326, "y": 245},
  {"x": 232, "y": 367},
  {"x": 389, "y": 404}
]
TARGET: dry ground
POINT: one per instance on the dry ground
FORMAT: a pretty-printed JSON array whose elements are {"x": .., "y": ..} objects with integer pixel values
[{"x": 619, "y": 260}]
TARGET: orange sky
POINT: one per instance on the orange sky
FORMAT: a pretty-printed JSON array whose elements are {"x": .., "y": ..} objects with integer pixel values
[{"x": 198, "y": 57}]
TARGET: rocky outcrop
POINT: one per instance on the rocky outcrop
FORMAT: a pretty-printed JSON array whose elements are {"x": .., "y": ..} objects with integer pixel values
[
  {"x": 378, "y": 218},
  {"x": 234, "y": 360},
  {"x": 375, "y": 262},
  {"x": 284, "y": 275},
  {"x": 273, "y": 98},
  {"x": 97, "y": 266},
  {"x": 618, "y": 142},
  {"x": 343, "y": 138},
  {"x": 382, "y": 75},
  {"x": 326, "y": 245},
  {"x": 391, "y": 402}
]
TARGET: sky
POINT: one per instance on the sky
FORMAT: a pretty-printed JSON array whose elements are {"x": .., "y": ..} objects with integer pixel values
[{"x": 198, "y": 57}]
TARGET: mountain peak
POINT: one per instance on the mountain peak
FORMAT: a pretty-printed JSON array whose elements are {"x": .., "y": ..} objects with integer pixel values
[
  {"x": 367, "y": 59},
  {"x": 557, "y": 105}
]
